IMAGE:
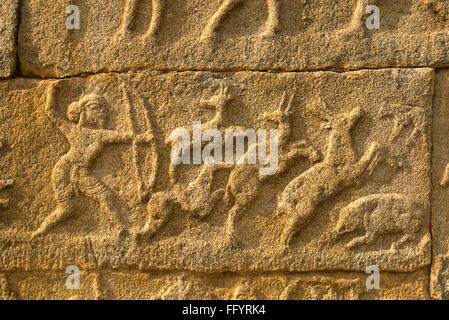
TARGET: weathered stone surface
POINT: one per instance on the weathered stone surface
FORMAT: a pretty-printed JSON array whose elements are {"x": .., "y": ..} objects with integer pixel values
[
  {"x": 91, "y": 182},
  {"x": 180, "y": 285},
  {"x": 231, "y": 35},
  {"x": 9, "y": 18}
]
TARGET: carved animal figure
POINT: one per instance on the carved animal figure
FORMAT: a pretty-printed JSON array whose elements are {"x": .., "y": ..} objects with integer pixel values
[
  {"x": 403, "y": 117},
  {"x": 218, "y": 103},
  {"x": 87, "y": 136},
  {"x": 130, "y": 14},
  {"x": 339, "y": 170},
  {"x": 272, "y": 25},
  {"x": 244, "y": 182},
  {"x": 196, "y": 199},
  {"x": 379, "y": 215}
]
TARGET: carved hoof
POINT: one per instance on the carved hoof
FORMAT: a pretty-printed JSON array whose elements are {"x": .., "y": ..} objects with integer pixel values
[
  {"x": 39, "y": 233},
  {"x": 208, "y": 38},
  {"x": 268, "y": 34}
]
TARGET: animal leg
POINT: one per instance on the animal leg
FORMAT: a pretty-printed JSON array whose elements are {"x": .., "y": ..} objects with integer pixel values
[
  {"x": 357, "y": 16},
  {"x": 240, "y": 205},
  {"x": 368, "y": 162},
  {"x": 128, "y": 17},
  {"x": 216, "y": 196},
  {"x": 272, "y": 26},
  {"x": 406, "y": 238},
  {"x": 63, "y": 211},
  {"x": 212, "y": 27},
  {"x": 369, "y": 237},
  {"x": 300, "y": 218},
  {"x": 156, "y": 15}
]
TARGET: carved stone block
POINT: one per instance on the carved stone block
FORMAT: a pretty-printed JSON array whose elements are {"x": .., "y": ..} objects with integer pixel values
[
  {"x": 94, "y": 184},
  {"x": 226, "y": 35},
  {"x": 173, "y": 285}
]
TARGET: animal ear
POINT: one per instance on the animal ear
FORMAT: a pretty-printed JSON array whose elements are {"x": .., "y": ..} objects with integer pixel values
[
  {"x": 283, "y": 104},
  {"x": 290, "y": 104}
]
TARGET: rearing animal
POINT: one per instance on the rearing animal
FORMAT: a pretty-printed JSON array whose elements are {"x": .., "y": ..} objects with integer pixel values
[{"x": 338, "y": 170}]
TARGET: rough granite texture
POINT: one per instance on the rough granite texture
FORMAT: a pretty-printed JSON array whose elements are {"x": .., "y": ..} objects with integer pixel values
[
  {"x": 9, "y": 19},
  {"x": 87, "y": 119}
]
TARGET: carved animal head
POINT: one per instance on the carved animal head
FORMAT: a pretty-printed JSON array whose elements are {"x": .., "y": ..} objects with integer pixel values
[
  {"x": 282, "y": 114},
  {"x": 219, "y": 100},
  {"x": 91, "y": 110},
  {"x": 159, "y": 208},
  {"x": 345, "y": 121},
  {"x": 341, "y": 121},
  {"x": 350, "y": 219}
]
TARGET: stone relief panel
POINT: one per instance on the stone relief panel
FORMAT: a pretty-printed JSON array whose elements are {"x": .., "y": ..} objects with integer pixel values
[
  {"x": 290, "y": 35},
  {"x": 346, "y": 181}
]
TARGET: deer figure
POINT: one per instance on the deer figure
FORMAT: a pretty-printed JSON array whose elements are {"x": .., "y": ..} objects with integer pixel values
[
  {"x": 245, "y": 182},
  {"x": 339, "y": 170},
  {"x": 196, "y": 199},
  {"x": 271, "y": 27},
  {"x": 218, "y": 102},
  {"x": 404, "y": 116}
]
